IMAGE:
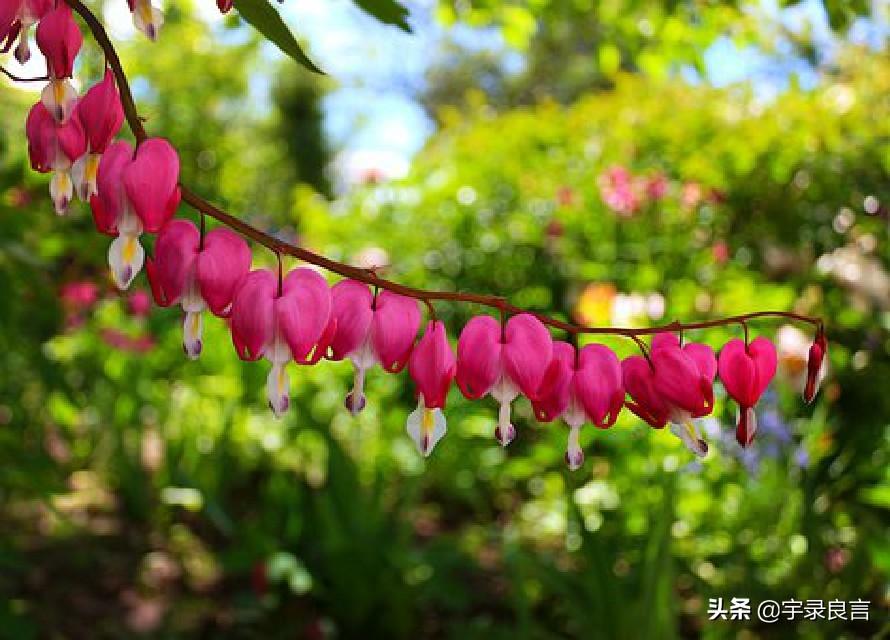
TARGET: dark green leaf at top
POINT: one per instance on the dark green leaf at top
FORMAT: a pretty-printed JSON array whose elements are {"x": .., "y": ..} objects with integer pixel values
[
  {"x": 263, "y": 17},
  {"x": 387, "y": 11}
]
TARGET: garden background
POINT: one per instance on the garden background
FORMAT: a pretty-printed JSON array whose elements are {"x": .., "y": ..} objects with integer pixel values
[{"x": 624, "y": 161}]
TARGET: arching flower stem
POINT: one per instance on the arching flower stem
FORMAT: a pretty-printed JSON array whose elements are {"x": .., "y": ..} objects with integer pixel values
[
  {"x": 370, "y": 277},
  {"x": 16, "y": 78}
]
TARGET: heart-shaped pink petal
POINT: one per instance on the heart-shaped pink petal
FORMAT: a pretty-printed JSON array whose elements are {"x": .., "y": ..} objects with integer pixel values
[
  {"x": 351, "y": 307},
  {"x": 393, "y": 329},
  {"x": 151, "y": 180},
  {"x": 527, "y": 351},
  {"x": 639, "y": 382},
  {"x": 100, "y": 113},
  {"x": 111, "y": 200},
  {"x": 479, "y": 356},
  {"x": 432, "y": 365},
  {"x": 556, "y": 386},
  {"x": 174, "y": 259},
  {"x": 303, "y": 311},
  {"x": 252, "y": 318},
  {"x": 221, "y": 264},
  {"x": 598, "y": 384}
]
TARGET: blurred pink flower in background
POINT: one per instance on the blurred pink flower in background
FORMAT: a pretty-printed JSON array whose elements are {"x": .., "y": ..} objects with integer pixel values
[
  {"x": 77, "y": 297},
  {"x": 120, "y": 340},
  {"x": 139, "y": 303},
  {"x": 565, "y": 196},
  {"x": 720, "y": 252},
  {"x": 19, "y": 197},
  {"x": 836, "y": 559},
  {"x": 371, "y": 258},
  {"x": 691, "y": 195},
  {"x": 656, "y": 186},
  {"x": 554, "y": 229},
  {"x": 619, "y": 191},
  {"x": 79, "y": 294},
  {"x": 372, "y": 176},
  {"x": 144, "y": 613}
]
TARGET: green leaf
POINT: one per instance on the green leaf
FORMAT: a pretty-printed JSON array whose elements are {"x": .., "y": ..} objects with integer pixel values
[
  {"x": 265, "y": 18},
  {"x": 387, "y": 11}
]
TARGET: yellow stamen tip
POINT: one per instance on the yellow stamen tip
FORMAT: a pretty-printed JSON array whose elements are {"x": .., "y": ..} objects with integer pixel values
[
  {"x": 129, "y": 250},
  {"x": 428, "y": 421},
  {"x": 92, "y": 168}
]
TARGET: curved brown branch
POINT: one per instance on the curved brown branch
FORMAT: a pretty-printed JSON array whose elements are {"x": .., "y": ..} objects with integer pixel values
[
  {"x": 365, "y": 275},
  {"x": 111, "y": 57},
  {"x": 6, "y": 72}
]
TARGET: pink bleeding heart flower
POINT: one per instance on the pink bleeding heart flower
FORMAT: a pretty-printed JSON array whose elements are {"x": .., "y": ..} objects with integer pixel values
[
  {"x": 151, "y": 182},
  {"x": 432, "y": 368},
  {"x": 109, "y": 204},
  {"x": 290, "y": 322},
  {"x": 503, "y": 362},
  {"x": 197, "y": 275},
  {"x": 16, "y": 19},
  {"x": 59, "y": 39},
  {"x": 580, "y": 387},
  {"x": 645, "y": 401},
  {"x": 146, "y": 18},
  {"x": 371, "y": 331},
  {"x": 135, "y": 193},
  {"x": 815, "y": 365},
  {"x": 9, "y": 17},
  {"x": 54, "y": 146},
  {"x": 101, "y": 115},
  {"x": 746, "y": 371},
  {"x": 675, "y": 385},
  {"x": 225, "y": 6}
]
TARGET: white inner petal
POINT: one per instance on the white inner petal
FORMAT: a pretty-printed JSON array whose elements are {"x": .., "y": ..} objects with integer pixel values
[
  {"x": 129, "y": 223},
  {"x": 83, "y": 173},
  {"x": 504, "y": 390},
  {"x": 278, "y": 352},
  {"x": 125, "y": 256},
  {"x": 278, "y": 389},
  {"x": 355, "y": 401},
  {"x": 426, "y": 427},
  {"x": 192, "y": 330},
  {"x": 574, "y": 453},
  {"x": 364, "y": 357},
  {"x": 59, "y": 97},
  {"x": 23, "y": 50},
  {"x": 574, "y": 415},
  {"x": 505, "y": 431},
  {"x": 686, "y": 429},
  {"x": 61, "y": 190},
  {"x": 192, "y": 302},
  {"x": 147, "y": 19}
]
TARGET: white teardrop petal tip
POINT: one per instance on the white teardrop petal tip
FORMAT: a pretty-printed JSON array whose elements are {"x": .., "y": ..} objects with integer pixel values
[{"x": 426, "y": 427}]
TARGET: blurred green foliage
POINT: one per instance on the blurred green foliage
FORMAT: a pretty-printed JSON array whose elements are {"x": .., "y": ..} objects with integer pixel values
[
  {"x": 570, "y": 47},
  {"x": 143, "y": 493}
]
